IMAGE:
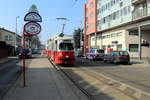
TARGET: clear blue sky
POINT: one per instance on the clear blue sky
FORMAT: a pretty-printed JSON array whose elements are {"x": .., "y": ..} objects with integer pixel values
[{"x": 49, "y": 10}]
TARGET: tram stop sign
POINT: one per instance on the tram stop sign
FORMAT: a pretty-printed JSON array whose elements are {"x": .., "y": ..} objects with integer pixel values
[{"x": 32, "y": 28}]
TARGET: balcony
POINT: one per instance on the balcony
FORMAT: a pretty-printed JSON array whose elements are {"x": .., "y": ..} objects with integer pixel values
[
  {"x": 134, "y": 2},
  {"x": 140, "y": 13}
]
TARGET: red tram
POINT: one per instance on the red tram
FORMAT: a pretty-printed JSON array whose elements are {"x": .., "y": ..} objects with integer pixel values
[{"x": 60, "y": 49}]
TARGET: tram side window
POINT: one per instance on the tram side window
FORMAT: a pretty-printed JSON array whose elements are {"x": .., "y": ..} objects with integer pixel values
[{"x": 66, "y": 46}]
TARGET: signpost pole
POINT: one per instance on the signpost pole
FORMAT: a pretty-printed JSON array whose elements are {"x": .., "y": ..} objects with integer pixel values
[
  {"x": 24, "y": 63},
  {"x": 31, "y": 28}
]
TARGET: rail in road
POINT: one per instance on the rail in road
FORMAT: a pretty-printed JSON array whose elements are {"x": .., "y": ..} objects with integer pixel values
[
  {"x": 58, "y": 68},
  {"x": 94, "y": 89},
  {"x": 131, "y": 80}
]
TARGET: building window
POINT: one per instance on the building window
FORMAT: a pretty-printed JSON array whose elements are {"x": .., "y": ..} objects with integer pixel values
[
  {"x": 108, "y": 36},
  {"x": 103, "y": 37},
  {"x": 121, "y": 4},
  {"x": 91, "y": 5},
  {"x": 129, "y": 9},
  {"x": 93, "y": 39},
  {"x": 125, "y": 10},
  {"x": 108, "y": 46},
  {"x": 8, "y": 38},
  {"x": 133, "y": 47},
  {"x": 113, "y": 35},
  {"x": 104, "y": 47},
  {"x": 121, "y": 12},
  {"x": 133, "y": 33},
  {"x": 119, "y": 47},
  {"x": 91, "y": 15},
  {"x": 114, "y": 15},
  {"x": 119, "y": 34}
]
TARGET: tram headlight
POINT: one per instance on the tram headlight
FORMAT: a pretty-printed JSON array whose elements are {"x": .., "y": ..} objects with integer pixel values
[
  {"x": 60, "y": 54},
  {"x": 67, "y": 56}
]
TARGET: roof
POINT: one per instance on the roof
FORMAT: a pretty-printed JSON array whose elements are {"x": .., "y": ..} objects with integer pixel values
[
  {"x": 7, "y": 30},
  {"x": 65, "y": 36}
]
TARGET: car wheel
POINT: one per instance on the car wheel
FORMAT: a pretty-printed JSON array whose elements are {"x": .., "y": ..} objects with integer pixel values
[
  {"x": 115, "y": 61},
  {"x": 105, "y": 61},
  {"x": 86, "y": 57},
  {"x": 93, "y": 58}
]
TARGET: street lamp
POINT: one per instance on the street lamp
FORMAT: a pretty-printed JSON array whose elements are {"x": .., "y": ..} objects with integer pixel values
[{"x": 16, "y": 35}]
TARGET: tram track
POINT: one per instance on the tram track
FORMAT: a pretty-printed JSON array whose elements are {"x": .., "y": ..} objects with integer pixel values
[
  {"x": 58, "y": 68},
  {"x": 92, "y": 87}
]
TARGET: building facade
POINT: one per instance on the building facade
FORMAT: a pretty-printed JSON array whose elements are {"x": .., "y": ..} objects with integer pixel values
[
  {"x": 11, "y": 39},
  {"x": 90, "y": 22},
  {"x": 123, "y": 25}
]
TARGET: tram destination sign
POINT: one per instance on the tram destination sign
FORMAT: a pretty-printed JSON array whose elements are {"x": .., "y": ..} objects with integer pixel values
[{"x": 32, "y": 28}]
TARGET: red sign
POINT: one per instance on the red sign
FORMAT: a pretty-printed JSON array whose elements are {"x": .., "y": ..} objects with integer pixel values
[{"x": 32, "y": 29}]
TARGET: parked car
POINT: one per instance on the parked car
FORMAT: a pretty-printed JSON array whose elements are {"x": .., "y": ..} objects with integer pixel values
[
  {"x": 79, "y": 53},
  {"x": 27, "y": 53},
  {"x": 117, "y": 57},
  {"x": 95, "y": 54}
]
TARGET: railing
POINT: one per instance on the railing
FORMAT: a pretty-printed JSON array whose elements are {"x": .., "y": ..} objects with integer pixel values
[
  {"x": 137, "y": 1},
  {"x": 140, "y": 13}
]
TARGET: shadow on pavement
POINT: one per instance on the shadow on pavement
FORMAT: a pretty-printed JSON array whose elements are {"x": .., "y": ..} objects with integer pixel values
[{"x": 96, "y": 93}]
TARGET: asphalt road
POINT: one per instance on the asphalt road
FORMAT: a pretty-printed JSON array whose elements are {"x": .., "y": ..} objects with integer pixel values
[
  {"x": 135, "y": 76},
  {"x": 9, "y": 72}
]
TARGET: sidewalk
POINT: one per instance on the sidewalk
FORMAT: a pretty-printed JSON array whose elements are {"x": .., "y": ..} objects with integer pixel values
[
  {"x": 140, "y": 63},
  {"x": 43, "y": 83}
]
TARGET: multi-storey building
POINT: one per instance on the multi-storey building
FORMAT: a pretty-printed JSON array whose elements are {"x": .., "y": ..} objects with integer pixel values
[
  {"x": 90, "y": 22},
  {"x": 122, "y": 25}
]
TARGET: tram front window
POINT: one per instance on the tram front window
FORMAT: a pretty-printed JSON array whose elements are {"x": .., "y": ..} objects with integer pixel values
[{"x": 66, "y": 46}]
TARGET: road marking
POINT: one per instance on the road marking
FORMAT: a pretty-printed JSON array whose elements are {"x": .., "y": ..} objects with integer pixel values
[
  {"x": 81, "y": 81},
  {"x": 122, "y": 87},
  {"x": 90, "y": 85},
  {"x": 138, "y": 94},
  {"x": 96, "y": 92}
]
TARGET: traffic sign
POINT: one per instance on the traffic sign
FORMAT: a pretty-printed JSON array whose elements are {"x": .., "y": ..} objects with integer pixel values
[
  {"x": 32, "y": 29},
  {"x": 33, "y": 16}
]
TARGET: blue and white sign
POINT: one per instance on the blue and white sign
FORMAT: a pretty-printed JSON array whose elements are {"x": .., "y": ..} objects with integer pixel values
[{"x": 33, "y": 15}]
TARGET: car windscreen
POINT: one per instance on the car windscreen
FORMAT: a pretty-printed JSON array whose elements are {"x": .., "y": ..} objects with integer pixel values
[
  {"x": 66, "y": 46},
  {"x": 123, "y": 53},
  {"x": 100, "y": 51},
  {"x": 24, "y": 51}
]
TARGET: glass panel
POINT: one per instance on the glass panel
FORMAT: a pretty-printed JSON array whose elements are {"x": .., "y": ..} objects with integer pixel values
[
  {"x": 66, "y": 46},
  {"x": 133, "y": 47}
]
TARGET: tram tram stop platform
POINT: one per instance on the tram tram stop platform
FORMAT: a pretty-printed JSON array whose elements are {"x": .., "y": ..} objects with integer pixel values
[{"x": 43, "y": 82}]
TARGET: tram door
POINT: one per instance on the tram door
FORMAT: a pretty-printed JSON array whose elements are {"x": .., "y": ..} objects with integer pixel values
[{"x": 55, "y": 49}]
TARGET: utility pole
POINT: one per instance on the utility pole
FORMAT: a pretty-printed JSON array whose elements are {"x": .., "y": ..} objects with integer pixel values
[{"x": 16, "y": 36}]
